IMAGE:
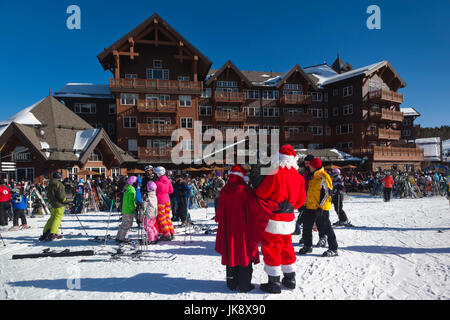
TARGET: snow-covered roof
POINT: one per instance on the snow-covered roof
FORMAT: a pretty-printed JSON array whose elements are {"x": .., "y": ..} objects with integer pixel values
[
  {"x": 428, "y": 140},
  {"x": 409, "y": 112},
  {"x": 323, "y": 72},
  {"x": 84, "y": 138},
  {"x": 84, "y": 90},
  {"x": 24, "y": 116}
]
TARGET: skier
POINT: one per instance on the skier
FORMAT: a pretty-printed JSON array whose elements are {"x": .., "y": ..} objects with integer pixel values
[
  {"x": 5, "y": 200},
  {"x": 338, "y": 197},
  {"x": 318, "y": 205},
  {"x": 165, "y": 226},
  {"x": 306, "y": 174},
  {"x": 388, "y": 183},
  {"x": 242, "y": 218},
  {"x": 128, "y": 208},
  {"x": 181, "y": 193},
  {"x": 79, "y": 198},
  {"x": 19, "y": 205},
  {"x": 56, "y": 196},
  {"x": 150, "y": 211},
  {"x": 285, "y": 186}
]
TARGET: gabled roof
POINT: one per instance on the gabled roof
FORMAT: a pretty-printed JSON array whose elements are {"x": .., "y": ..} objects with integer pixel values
[
  {"x": 106, "y": 57},
  {"x": 227, "y": 64},
  {"x": 410, "y": 112},
  {"x": 84, "y": 90},
  {"x": 55, "y": 133},
  {"x": 294, "y": 69}
]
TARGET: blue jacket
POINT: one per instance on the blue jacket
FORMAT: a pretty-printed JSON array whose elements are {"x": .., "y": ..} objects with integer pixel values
[{"x": 19, "y": 202}]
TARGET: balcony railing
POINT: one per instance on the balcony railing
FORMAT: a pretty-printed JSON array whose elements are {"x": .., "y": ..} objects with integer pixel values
[
  {"x": 386, "y": 95},
  {"x": 150, "y": 129},
  {"x": 380, "y": 153},
  {"x": 230, "y": 116},
  {"x": 229, "y": 96},
  {"x": 296, "y": 99},
  {"x": 297, "y": 117},
  {"x": 158, "y": 105},
  {"x": 152, "y": 84},
  {"x": 384, "y": 134},
  {"x": 151, "y": 153},
  {"x": 386, "y": 115},
  {"x": 290, "y": 136}
]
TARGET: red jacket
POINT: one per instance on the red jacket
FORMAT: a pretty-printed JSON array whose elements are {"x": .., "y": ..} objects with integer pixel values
[
  {"x": 242, "y": 219},
  {"x": 5, "y": 195},
  {"x": 388, "y": 182}
]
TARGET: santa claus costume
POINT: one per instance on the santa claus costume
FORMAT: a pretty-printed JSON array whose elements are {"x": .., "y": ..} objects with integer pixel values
[
  {"x": 285, "y": 186},
  {"x": 242, "y": 219}
]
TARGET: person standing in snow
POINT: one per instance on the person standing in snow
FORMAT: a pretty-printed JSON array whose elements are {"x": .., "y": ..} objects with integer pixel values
[
  {"x": 128, "y": 209},
  {"x": 338, "y": 198},
  {"x": 150, "y": 211},
  {"x": 284, "y": 186},
  {"x": 181, "y": 193},
  {"x": 242, "y": 219},
  {"x": 164, "y": 188},
  {"x": 19, "y": 205},
  {"x": 5, "y": 201},
  {"x": 56, "y": 196},
  {"x": 318, "y": 205},
  {"x": 388, "y": 183}
]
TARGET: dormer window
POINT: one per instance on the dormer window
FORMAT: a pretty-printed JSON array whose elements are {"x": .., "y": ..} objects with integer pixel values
[
  {"x": 96, "y": 156},
  {"x": 157, "y": 64}
]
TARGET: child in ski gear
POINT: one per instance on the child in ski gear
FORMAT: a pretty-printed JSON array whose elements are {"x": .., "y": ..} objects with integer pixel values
[
  {"x": 242, "y": 218},
  {"x": 164, "y": 188},
  {"x": 338, "y": 197},
  {"x": 128, "y": 208},
  {"x": 150, "y": 211},
  {"x": 137, "y": 186},
  {"x": 388, "y": 183},
  {"x": 182, "y": 194},
  {"x": 56, "y": 195},
  {"x": 78, "y": 199},
  {"x": 20, "y": 205},
  {"x": 318, "y": 205},
  {"x": 5, "y": 200},
  {"x": 284, "y": 186}
]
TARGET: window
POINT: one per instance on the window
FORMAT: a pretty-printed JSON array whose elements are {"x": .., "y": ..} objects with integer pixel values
[
  {"x": 112, "y": 108},
  {"x": 254, "y": 128},
  {"x": 316, "y": 112},
  {"x": 344, "y": 129},
  {"x": 252, "y": 94},
  {"x": 158, "y": 120},
  {"x": 347, "y": 91},
  {"x": 183, "y": 78},
  {"x": 348, "y": 109},
  {"x": 86, "y": 108},
  {"x": 294, "y": 130},
  {"x": 271, "y": 128},
  {"x": 221, "y": 89},
  {"x": 206, "y": 127},
  {"x": 115, "y": 172},
  {"x": 157, "y": 64},
  {"x": 129, "y": 122},
  {"x": 325, "y": 113},
  {"x": 206, "y": 93},
  {"x": 227, "y": 83},
  {"x": 131, "y": 76},
  {"x": 187, "y": 123},
  {"x": 271, "y": 112},
  {"x": 252, "y": 111},
  {"x": 187, "y": 145},
  {"x": 316, "y": 96},
  {"x": 161, "y": 74},
  {"x": 205, "y": 110},
  {"x": 292, "y": 86},
  {"x": 96, "y": 156},
  {"x": 344, "y": 145},
  {"x": 129, "y": 99},
  {"x": 374, "y": 85},
  {"x": 72, "y": 171},
  {"x": 407, "y": 133},
  {"x": 335, "y": 92},
  {"x": 316, "y": 130},
  {"x": 335, "y": 112},
  {"x": 328, "y": 131},
  {"x": 271, "y": 95},
  {"x": 132, "y": 145},
  {"x": 185, "y": 101}
]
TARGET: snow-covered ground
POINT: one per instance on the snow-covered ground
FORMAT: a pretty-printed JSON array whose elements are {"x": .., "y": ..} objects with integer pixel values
[{"x": 399, "y": 250}]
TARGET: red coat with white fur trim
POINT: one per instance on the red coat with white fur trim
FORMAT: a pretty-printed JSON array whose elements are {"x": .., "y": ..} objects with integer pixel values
[{"x": 285, "y": 184}]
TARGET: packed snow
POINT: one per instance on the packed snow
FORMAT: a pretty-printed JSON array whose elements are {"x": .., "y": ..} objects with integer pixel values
[{"x": 398, "y": 250}]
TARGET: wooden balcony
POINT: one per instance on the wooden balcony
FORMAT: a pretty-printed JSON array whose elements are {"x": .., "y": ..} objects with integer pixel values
[
  {"x": 150, "y": 129},
  {"x": 386, "y": 115},
  {"x": 238, "y": 97},
  {"x": 171, "y": 86},
  {"x": 226, "y": 116},
  {"x": 296, "y": 99},
  {"x": 290, "y": 136},
  {"x": 158, "y": 105},
  {"x": 297, "y": 117},
  {"x": 154, "y": 153},
  {"x": 386, "y": 96},
  {"x": 384, "y": 134},
  {"x": 380, "y": 153}
]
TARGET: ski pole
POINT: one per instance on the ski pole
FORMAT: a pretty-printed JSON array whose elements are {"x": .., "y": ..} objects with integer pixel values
[
  {"x": 109, "y": 217},
  {"x": 4, "y": 244},
  {"x": 76, "y": 215}
]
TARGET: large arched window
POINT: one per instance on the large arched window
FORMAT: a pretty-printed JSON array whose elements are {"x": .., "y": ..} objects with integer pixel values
[{"x": 96, "y": 156}]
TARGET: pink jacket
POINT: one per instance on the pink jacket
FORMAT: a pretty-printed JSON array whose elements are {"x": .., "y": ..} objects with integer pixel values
[{"x": 164, "y": 188}]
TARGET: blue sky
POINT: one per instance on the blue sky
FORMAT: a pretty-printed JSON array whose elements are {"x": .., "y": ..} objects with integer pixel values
[{"x": 39, "y": 52}]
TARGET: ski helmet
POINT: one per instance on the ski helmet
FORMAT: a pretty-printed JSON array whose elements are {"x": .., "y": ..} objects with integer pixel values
[
  {"x": 336, "y": 172},
  {"x": 131, "y": 180},
  {"x": 160, "y": 171},
  {"x": 148, "y": 168}
]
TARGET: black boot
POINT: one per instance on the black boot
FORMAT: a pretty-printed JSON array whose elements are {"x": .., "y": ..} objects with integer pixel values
[
  {"x": 305, "y": 250},
  {"x": 273, "y": 286},
  {"x": 289, "y": 280},
  {"x": 45, "y": 235},
  {"x": 232, "y": 277}
]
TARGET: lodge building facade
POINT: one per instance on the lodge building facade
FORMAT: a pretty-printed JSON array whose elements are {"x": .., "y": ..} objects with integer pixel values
[{"x": 160, "y": 82}]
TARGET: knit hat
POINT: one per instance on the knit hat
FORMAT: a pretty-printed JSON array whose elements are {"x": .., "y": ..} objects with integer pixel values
[
  {"x": 151, "y": 186},
  {"x": 132, "y": 180},
  {"x": 316, "y": 163},
  {"x": 238, "y": 170},
  {"x": 287, "y": 158}
]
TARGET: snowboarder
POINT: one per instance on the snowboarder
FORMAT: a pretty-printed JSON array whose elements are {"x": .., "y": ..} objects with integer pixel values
[
  {"x": 150, "y": 211},
  {"x": 56, "y": 196},
  {"x": 338, "y": 198},
  {"x": 19, "y": 205},
  {"x": 242, "y": 218},
  {"x": 318, "y": 205},
  {"x": 285, "y": 186},
  {"x": 164, "y": 188},
  {"x": 128, "y": 208}
]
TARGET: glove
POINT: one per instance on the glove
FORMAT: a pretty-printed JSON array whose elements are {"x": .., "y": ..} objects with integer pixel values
[{"x": 285, "y": 207}]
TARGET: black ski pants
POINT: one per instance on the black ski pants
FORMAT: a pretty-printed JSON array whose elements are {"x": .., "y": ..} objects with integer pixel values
[
  {"x": 338, "y": 206},
  {"x": 239, "y": 277},
  {"x": 19, "y": 214},
  {"x": 387, "y": 194},
  {"x": 322, "y": 220},
  {"x": 4, "y": 213}
]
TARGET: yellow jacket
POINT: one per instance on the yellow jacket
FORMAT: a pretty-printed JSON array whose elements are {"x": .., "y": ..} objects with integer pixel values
[{"x": 319, "y": 191}]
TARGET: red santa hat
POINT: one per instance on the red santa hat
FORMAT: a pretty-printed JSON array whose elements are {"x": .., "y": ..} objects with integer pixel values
[
  {"x": 316, "y": 163},
  {"x": 238, "y": 170},
  {"x": 287, "y": 158}
]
